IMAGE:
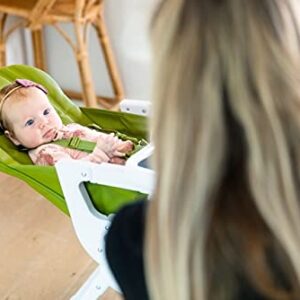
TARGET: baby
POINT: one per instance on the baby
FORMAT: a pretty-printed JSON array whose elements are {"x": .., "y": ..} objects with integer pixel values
[{"x": 29, "y": 120}]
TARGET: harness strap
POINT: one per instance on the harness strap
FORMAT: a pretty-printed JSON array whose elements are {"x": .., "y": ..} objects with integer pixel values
[
  {"x": 76, "y": 143},
  {"x": 87, "y": 146}
]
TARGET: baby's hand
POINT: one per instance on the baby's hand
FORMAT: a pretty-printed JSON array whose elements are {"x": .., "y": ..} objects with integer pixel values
[
  {"x": 109, "y": 144},
  {"x": 125, "y": 146},
  {"x": 59, "y": 135}
]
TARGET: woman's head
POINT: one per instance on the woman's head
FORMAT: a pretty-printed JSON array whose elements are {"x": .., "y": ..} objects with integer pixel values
[
  {"x": 226, "y": 128},
  {"x": 26, "y": 115}
]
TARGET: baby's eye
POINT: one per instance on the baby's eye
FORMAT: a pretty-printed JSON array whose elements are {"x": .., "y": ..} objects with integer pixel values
[
  {"x": 29, "y": 122},
  {"x": 46, "y": 111}
]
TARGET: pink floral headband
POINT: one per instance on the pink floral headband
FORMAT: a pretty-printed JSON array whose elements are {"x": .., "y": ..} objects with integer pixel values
[{"x": 22, "y": 83}]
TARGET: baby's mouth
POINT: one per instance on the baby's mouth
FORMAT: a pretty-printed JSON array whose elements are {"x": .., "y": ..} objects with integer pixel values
[{"x": 50, "y": 134}]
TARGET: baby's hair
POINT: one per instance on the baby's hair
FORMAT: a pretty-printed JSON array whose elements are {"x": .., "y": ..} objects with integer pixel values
[
  {"x": 17, "y": 88},
  {"x": 4, "y": 121},
  {"x": 6, "y": 89}
]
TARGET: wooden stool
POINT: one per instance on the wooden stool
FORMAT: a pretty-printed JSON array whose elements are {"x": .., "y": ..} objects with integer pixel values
[{"x": 82, "y": 13}]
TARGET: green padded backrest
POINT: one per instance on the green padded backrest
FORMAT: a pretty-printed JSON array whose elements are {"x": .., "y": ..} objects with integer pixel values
[{"x": 44, "y": 179}]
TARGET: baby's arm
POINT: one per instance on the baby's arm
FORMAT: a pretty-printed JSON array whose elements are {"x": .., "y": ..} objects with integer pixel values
[
  {"x": 97, "y": 156},
  {"x": 49, "y": 155},
  {"x": 113, "y": 146},
  {"x": 108, "y": 143}
]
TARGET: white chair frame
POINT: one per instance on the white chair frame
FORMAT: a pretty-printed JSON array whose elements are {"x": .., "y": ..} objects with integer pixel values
[{"x": 89, "y": 224}]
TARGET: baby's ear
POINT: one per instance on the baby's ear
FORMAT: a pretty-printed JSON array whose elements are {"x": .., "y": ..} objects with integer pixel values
[{"x": 10, "y": 135}]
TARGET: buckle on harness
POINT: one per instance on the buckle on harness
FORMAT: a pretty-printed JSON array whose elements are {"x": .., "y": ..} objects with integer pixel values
[{"x": 74, "y": 142}]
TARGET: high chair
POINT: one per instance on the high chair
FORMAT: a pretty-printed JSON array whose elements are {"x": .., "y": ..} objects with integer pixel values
[
  {"x": 90, "y": 193},
  {"x": 35, "y": 14}
]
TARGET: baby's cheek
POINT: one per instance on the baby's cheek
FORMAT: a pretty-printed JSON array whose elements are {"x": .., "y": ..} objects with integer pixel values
[
  {"x": 24, "y": 138},
  {"x": 34, "y": 140},
  {"x": 56, "y": 121}
]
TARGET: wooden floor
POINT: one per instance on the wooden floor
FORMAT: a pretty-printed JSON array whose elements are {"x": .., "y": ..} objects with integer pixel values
[{"x": 40, "y": 257}]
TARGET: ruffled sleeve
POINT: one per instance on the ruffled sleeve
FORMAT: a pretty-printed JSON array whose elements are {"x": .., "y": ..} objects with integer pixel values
[{"x": 48, "y": 155}]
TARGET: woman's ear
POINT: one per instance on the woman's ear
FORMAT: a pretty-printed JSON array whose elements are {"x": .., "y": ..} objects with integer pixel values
[{"x": 10, "y": 135}]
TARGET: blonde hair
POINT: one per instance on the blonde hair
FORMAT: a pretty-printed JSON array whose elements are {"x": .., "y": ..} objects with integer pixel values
[{"x": 226, "y": 127}]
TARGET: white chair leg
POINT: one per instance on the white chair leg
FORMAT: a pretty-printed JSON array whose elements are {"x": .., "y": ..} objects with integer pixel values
[{"x": 93, "y": 287}]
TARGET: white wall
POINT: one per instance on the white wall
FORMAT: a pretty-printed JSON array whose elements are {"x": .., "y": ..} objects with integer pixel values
[
  {"x": 15, "y": 46},
  {"x": 127, "y": 23}
]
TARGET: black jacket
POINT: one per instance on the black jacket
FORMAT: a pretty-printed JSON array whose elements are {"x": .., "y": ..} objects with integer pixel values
[{"x": 124, "y": 250}]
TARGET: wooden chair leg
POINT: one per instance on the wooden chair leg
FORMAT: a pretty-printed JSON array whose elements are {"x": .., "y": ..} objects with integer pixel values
[
  {"x": 38, "y": 48},
  {"x": 2, "y": 41},
  {"x": 100, "y": 28},
  {"x": 2, "y": 53},
  {"x": 89, "y": 95}
]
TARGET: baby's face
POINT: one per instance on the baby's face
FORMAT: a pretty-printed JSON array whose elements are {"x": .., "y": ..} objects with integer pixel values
[{"x": 34, "y": 120}]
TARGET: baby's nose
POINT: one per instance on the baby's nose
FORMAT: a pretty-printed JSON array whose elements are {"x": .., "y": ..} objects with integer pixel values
[{"x": 42, "y": 124}]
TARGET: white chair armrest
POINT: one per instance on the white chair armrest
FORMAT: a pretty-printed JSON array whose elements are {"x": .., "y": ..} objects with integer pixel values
[{"x": 89, "y": 224}]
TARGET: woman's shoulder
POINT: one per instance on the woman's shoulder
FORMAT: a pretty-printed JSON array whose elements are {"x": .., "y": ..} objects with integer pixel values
[
  {"x": 128, "y": 225},
  {"x": 124, "y": 250}
]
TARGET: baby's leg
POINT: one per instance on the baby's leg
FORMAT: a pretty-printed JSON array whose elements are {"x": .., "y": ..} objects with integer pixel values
[{"x": 117, "y": 160}]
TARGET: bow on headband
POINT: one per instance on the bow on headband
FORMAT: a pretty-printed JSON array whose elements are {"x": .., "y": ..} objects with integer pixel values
[{"x": 28, "y": 83}]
